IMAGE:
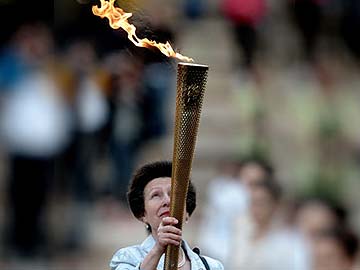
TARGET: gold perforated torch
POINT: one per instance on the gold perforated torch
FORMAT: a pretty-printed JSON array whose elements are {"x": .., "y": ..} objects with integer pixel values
[{"x": 191, "y": 82}]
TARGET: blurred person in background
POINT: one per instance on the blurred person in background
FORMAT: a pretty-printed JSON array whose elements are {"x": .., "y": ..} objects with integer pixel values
[
  {"x": 35, "y": 128},
  {"x": 194, "y": 9},
  {"x": 264, "y": 241},
  {"x": 87, "y": 100},
  {"x": 307, "y": 16},
  {"x": 126, "y": 119},
  {"x": 254, "y": 169},
  {"x": 350, "y": 23},
  {"x": 314, "y": 214},
  {"x": 225, "y": 196},
  {"x": 228, "y": 196},
  {"x": 245, "y": 18},
  {"x": 159, "y": 74},
  {"x": 149, "y": 201},
  {"x": 335, "y": 248}
]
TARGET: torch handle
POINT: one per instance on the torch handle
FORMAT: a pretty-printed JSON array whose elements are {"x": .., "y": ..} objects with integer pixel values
[{"x": 177, "y": 207}]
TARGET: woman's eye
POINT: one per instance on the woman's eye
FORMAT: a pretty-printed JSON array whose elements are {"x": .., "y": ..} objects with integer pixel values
[{"x": 154, "y": 195}]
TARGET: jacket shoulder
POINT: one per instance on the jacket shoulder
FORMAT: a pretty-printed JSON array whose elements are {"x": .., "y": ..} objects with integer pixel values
[
  {"x": 213, "y": 263},
  {"x": 129, "y": 256}
]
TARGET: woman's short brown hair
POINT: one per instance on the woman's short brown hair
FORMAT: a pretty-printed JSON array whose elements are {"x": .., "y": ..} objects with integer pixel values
[{"x": 143, "y": 176}]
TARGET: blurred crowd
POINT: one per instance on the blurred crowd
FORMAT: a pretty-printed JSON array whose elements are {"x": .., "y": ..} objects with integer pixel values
[
  {"x": 74, "y": 95},
  {"x": 249, "y": 222},
  {"x": 70, "y": 100}
]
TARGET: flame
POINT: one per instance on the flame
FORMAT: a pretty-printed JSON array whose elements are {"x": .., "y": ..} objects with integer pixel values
[{"x": 119, "y": 19}]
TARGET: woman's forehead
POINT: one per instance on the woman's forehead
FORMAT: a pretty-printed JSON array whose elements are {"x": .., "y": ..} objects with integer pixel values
[{"x": 158, "y": 183}]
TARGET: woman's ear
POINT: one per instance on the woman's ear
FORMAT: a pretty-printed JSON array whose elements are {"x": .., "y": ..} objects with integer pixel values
[{"x": 187, "y": 216}]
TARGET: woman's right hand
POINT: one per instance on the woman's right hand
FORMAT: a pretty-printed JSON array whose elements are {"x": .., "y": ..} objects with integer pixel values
[{"x": 168, "y": 234}]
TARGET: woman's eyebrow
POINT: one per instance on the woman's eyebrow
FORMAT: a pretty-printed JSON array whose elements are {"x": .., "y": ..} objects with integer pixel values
[{"x": 154, "y": 189}]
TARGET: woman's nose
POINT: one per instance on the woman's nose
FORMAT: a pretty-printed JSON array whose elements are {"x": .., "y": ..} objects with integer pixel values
[{"x": 166, "y": 200}]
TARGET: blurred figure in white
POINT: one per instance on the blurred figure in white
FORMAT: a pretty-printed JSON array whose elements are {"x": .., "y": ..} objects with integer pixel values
[
  {"x": 263, "y": 241},
  {"x": 227, "y": 199},
  {"x": 34, "y": 129}
]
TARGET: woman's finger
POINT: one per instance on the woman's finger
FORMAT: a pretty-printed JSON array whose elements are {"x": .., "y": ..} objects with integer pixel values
[
  {"x": 169, "y": 229},
  {"x": 169, "y": 221},
  {"x": 168, "y": 238}
]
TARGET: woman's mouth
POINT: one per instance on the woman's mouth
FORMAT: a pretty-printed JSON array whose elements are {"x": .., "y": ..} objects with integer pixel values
[{"x": 165, "y": 214}]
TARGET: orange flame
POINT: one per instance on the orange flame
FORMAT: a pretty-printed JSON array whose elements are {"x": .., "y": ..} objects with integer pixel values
[{"x": 119, "y": 19}]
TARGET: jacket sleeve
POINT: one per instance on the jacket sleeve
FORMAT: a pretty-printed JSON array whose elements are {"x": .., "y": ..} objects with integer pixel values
[{"x": 125, "y": 259}]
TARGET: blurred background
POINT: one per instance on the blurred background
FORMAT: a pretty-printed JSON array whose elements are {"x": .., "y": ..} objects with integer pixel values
[{"x": 277, "y": 157}]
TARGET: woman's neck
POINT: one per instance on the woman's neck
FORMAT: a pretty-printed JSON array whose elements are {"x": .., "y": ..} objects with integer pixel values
[{"x": 261, "y": 230}]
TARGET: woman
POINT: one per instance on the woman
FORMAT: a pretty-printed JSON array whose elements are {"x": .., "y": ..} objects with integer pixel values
[
  {"x": 261, "y": 240},
  {"x": 149, "y": 201}
]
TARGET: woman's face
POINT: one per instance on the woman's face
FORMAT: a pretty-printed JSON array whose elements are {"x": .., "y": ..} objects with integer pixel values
[
  {"x": 262, "y": 206},
  {"x": 314, "y": 217},
  {"x": 251, "y": 174},
  {"x": 328, "y": 255},
  {"x": 157, "y": 201}
]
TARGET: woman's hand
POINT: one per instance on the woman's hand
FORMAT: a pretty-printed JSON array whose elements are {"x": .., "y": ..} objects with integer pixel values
[{"x": 168, "y": 234}]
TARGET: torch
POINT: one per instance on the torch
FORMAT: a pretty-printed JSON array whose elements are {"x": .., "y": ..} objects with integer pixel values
[{"x": 191, "y": 82}]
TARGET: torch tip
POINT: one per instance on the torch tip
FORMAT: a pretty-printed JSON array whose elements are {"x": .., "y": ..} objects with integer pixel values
[{"x": 193, "y": 65}]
